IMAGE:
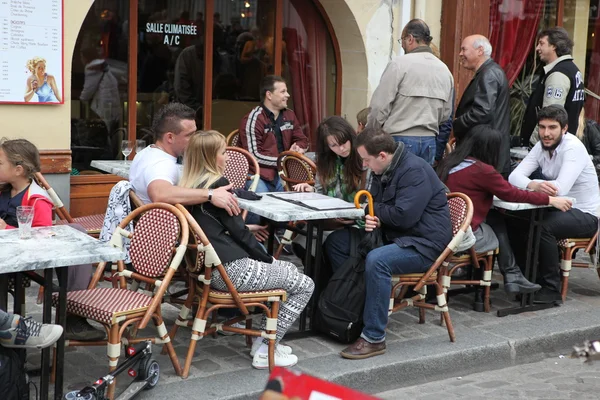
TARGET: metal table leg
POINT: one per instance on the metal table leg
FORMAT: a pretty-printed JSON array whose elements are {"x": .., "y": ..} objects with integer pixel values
[
  {"x": 533, "y": 247},
  {"x": 61, "y": 312},
  {"x": 46, "y": 319}
]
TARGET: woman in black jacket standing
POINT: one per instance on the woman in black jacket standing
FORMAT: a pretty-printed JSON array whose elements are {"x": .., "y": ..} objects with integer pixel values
[{"x": 248, "y": 265}]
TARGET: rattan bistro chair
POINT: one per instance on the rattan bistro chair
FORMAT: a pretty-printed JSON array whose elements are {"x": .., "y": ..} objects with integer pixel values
[
  {"x": 233, "y": 139},
  {"x": 293, "y": 168},
  {"x": 202, "y": 260},
  {"x": 568, "y": 247},
  {"x": 237, "y": 170},
  {"x": 158, "y": 245},
  {"x": 91, "y": 223},
  {"x": 461, "y": 213}
]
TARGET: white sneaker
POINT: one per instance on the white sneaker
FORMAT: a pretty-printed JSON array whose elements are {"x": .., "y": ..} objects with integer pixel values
[
  {"x": 281, "y": 347},
  {"x": 27, "y": 333},
  {"x": 261, "y": 361}
]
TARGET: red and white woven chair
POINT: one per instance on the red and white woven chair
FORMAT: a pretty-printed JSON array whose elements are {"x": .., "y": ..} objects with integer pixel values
[
  {"x": 238, "y": 169},
  {"x": 233, "y": 139},
  {"x": 293, "y": 168},
  {"x": 461, "y": 213},
  {"x": 568, "y": 247},
  {"x": 91, "y": 223},
  {"x": 202, "y": 260},
  {"x": 158, "y": 245}
]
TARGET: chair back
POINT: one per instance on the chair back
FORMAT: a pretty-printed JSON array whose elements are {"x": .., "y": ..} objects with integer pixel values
[
  {"x": 461, "y": 214},
  {"x": 157, "y": 233},
  {"x": 59, "y": 207},
  {"x": 206, "y": 259},
  {"x": 238, "y": 168},
  {"x": 296, "y": 168},
  {"x": 233, "y": 139}
]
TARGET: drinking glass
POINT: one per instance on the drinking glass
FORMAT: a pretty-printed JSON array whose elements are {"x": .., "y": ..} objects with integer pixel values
[
  {"x": 126, "y": 148},
  {"x": 24, "y": 218},
  {"x": 139, "y": 146}
]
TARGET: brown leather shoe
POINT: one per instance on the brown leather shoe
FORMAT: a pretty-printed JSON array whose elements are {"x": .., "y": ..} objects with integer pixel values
[{"x": 363, "y": 349}]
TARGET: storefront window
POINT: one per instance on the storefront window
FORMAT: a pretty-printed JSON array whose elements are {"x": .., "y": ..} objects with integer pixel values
[
  {"x": 170, "y": 58},
  {"x": 244, "y": 52},
  {"x": 309, "y": 64},
  {"x": 99, "y": 84}
]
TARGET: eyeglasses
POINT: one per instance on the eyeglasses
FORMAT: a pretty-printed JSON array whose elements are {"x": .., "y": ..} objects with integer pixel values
[{"x": 402, "y": 38}]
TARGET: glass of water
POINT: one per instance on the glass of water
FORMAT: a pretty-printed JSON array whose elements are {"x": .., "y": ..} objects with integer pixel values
[
  {"x": 126, "y": 148},
  {"x": 24, "y": 218},
  {"x": 139, "y": 146}
]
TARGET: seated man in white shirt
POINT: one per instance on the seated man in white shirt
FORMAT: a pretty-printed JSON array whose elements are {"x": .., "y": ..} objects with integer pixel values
[
  {"x": 154, "y": 172},
  {"x": 568, "y": 171}
]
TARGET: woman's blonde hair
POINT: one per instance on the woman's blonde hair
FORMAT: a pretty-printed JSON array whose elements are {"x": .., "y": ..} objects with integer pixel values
[
  {"x": 200, "y": 169},
  {"x": 21, "y": 152},
  {"x": 31, "y": 64},
  {"x": 581, "y": 126}
]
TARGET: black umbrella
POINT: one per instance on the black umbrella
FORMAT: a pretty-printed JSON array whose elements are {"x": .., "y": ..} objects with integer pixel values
[{"x": 371, "y": 240}]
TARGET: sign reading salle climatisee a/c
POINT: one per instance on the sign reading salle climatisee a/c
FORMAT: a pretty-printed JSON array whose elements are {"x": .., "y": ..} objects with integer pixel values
[{"x": 31, "y": 52}]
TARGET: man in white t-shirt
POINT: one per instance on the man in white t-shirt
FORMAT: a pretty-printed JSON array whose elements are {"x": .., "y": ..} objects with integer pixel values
[{"x": 154, "y": 172}]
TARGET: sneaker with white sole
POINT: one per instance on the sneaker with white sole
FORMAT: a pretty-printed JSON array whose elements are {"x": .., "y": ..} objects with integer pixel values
[
  {"x": 261, "y": 361},
  {"x": 28, "y": 333},
  {"x": 281, "y": 347}
]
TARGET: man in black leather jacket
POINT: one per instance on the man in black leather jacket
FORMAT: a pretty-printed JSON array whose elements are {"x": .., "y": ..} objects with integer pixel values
[{"x": 486, "y": 99}]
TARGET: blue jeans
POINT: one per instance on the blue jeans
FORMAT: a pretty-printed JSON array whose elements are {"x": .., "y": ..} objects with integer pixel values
[
  {"x": 263, "y": 186},
  {"x": 380, "y": 265},
  {"x": 420, "y": 146}
]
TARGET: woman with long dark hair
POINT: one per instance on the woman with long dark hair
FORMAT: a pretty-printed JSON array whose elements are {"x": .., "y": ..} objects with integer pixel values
[
  {"x": 469, "y": 170},
  {"x": 339, "y": 168}
]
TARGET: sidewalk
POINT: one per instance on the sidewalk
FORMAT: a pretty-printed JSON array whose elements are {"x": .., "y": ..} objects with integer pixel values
[{"x": 415, "y": 353}]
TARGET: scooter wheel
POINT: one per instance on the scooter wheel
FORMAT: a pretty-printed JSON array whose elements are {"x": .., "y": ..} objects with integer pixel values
[{"x": 149, "y": 371}]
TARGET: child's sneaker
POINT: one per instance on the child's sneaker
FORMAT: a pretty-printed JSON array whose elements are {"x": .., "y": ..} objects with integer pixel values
[
  {"x": 28, "y": 333},
  {"x": 261, "y": 360}
]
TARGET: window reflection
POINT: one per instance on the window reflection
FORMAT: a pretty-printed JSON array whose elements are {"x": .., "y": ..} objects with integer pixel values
[
  {"x": 99, "y": 84},
  {"x": 170, "y": 58}
]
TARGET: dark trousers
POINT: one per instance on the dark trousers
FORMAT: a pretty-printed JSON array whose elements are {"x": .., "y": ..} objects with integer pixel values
[{"x": 556, "y": 225}]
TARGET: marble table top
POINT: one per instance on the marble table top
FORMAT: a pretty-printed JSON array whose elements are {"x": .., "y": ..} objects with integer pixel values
[
  {"x": 507, "y": 205},
  {"x": 519, "y": 152},
  {"x": 116, "y": 167},
  {"x": 51, "y": 247},
  {"x": 282, "y": 211}
]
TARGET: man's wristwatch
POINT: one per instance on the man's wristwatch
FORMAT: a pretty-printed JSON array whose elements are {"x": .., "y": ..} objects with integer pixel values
[{"x": 210, "y": 193}]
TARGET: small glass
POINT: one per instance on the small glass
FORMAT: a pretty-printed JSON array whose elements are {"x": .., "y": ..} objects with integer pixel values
[
  {"x": 139, "y": 146},
  {"x": 126, "y": 148},
  {"x": 24, "y": 218}
]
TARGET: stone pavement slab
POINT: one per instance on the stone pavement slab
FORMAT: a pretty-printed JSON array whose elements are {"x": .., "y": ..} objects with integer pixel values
[{"x": 416, "y": 353}]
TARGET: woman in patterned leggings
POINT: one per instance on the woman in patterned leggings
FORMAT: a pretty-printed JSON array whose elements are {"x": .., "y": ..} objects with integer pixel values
[{"x": 247, "y": 263}]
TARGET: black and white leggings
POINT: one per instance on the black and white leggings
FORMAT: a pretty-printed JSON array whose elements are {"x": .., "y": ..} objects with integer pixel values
[{"x": 249, "y": 275}]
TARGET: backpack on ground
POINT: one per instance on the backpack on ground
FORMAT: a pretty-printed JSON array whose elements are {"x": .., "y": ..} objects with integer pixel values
[
  {"x": 13, "y": 378},
  {"x": 340, "y": 306}
]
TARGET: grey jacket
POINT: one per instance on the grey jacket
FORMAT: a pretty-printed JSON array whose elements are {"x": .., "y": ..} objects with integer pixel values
[{"x": 414, "y": 96}]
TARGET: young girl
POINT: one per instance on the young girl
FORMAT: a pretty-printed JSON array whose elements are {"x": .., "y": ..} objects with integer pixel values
[
  {"x": 248, "y": 265},
  {"x": 19, "y": 160},
  {"x": 469, "y": 170}
]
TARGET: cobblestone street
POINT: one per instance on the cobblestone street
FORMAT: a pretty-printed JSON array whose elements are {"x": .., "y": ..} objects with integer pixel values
[{"x": 553, "y": 378}]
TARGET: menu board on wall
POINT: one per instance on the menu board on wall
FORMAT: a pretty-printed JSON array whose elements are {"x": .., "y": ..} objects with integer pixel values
[{"x": 31, "y": 52}]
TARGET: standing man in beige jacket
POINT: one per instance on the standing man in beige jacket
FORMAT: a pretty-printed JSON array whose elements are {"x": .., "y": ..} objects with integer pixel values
[{"x": 414, "y": 96}]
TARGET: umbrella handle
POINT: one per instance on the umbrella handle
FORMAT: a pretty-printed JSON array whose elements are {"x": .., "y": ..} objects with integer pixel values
[{"x": 357, "y": 197}]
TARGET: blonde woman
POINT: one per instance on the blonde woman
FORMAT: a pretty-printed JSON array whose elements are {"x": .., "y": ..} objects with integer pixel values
[
  {"x": 248, "y": 265},
  {"x": 40, "y": 83}
]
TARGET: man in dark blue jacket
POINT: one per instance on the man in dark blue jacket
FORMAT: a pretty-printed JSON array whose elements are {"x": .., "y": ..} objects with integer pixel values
[{"x": 411, "y": 209}]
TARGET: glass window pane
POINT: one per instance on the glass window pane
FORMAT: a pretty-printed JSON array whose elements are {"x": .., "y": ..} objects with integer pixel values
[
  {"x": 310, "y": 65},
  {"x": 243, "y": 55},
  {"x": 99, "y": 81},
  {"x": 170, "y": 58}
]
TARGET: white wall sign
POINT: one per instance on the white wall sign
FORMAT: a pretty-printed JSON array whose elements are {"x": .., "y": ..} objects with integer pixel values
[{"x": 31, "y": 52}]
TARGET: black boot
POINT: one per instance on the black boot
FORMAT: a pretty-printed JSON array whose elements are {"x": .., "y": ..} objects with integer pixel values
[{"x": 515, "y": 282}]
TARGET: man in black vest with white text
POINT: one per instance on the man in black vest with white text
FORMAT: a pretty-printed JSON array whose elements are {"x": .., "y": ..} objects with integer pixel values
[{"x": 560, "y": 83}]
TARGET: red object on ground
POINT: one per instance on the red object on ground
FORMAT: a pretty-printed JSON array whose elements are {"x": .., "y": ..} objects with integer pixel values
[{"x": 297, "y": 385}]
